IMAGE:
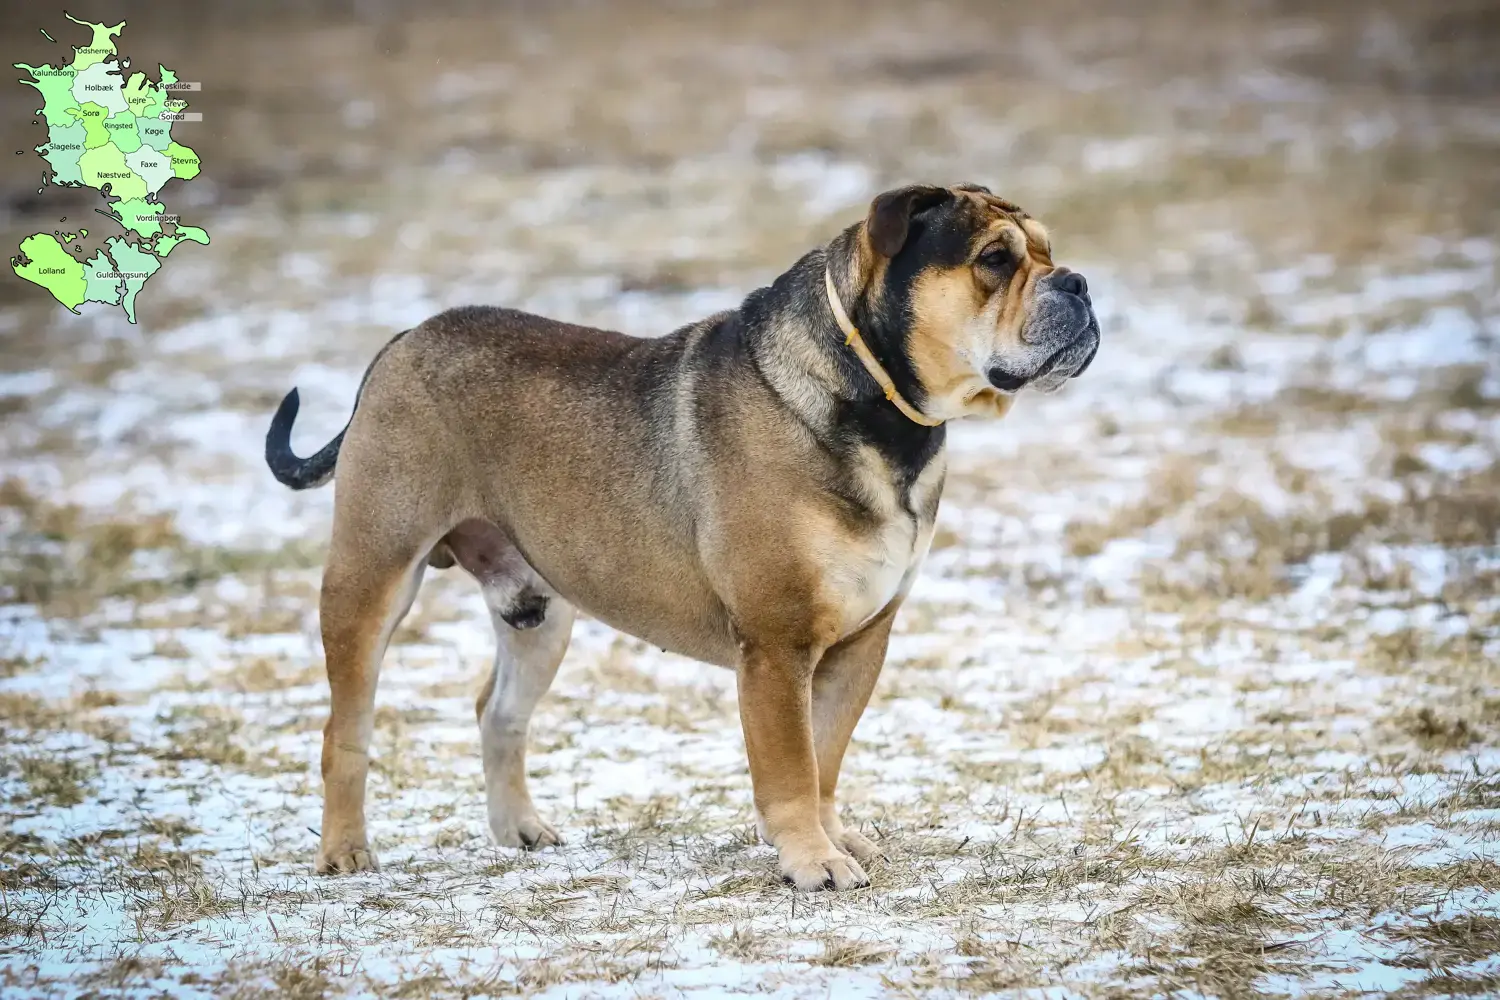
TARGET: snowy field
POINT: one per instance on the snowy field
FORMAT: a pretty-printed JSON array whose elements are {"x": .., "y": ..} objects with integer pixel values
[{"x": 1198, "y": 693}]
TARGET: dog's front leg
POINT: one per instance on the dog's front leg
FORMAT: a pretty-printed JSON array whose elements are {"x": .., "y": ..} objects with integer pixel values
[
  {"x": 775, "y": 689},
  {"x": 841, "y": 689}
]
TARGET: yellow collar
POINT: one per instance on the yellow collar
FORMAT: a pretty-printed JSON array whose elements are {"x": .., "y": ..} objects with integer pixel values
[{"x": 861, "y": 351}]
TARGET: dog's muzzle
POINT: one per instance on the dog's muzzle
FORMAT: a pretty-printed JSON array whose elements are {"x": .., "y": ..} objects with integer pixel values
[
  {"x": 1062, "y": 337},
  {"x": 1065, "y": 363}
]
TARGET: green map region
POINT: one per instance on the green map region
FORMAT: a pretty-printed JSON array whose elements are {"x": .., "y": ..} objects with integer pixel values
[{"x": 113, "y": 133}]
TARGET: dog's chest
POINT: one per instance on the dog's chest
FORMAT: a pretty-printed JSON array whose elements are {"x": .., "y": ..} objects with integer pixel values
[{"x": 865, "y": 570}]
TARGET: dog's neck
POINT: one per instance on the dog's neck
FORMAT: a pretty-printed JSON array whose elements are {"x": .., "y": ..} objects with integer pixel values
[
  {"x": 806, "y": 361},
  {"x": 855, "y": 341}
]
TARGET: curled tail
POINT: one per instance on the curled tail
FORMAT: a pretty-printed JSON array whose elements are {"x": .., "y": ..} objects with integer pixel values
[
  {"x": 289, "y": 470},
  {"x": 314, "y": 471}
]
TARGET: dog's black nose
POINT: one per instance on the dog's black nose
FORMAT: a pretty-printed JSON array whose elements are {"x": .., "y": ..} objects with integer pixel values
[{"x": 1071, "y": 281}]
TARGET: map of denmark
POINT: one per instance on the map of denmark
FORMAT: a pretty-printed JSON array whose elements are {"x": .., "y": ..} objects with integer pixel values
[{"x": 114, "y": 134}]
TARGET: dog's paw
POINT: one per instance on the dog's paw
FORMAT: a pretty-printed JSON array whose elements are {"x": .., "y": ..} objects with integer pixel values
[
  {"x": 529, "y": 832},
  {"x": 857, "y": 845},
  {"x": 837, "y": 872},
  {"x": 346, "y": 858}
]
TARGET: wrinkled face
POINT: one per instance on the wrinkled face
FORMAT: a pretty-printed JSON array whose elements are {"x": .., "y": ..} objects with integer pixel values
[{"x": 986, "y": 311}]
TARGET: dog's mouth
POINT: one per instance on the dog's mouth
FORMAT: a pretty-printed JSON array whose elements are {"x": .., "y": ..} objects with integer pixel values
[
  {"x": 1005, "y": 381},
  {"x": 1065, "y": 358},
  {"x": 1084, "y": 366}
]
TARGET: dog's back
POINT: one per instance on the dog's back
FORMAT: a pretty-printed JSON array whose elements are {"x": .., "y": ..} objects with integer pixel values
[{"x": 570, "y": 440}]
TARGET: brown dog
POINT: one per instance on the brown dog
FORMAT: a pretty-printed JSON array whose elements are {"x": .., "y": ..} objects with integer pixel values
[{"x": 756, "y": 490}]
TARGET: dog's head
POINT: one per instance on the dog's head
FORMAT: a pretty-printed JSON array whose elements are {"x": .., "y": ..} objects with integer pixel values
[{"x": 961, "y": 285}]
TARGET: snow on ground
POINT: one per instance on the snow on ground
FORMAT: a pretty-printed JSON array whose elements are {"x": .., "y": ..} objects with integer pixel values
[{"x": 1197, "y": 692}]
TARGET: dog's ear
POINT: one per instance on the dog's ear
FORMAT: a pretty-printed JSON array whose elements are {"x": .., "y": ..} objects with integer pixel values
[{"x": 891, "y": 213}]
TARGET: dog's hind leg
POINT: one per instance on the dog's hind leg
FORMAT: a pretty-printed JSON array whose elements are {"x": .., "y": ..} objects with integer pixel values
[
  {"x": 841, "y": 689},
  {"x": 368, "y": 586},
  {"x": 532, "y": 628},
  {"x": 526, "y": 660}
]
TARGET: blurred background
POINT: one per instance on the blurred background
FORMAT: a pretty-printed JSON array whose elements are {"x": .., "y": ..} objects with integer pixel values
[
  {"x": 1248, "y": 561},
  {"x": 640, "y": 164},
  {"x": 501, "y": 150}
]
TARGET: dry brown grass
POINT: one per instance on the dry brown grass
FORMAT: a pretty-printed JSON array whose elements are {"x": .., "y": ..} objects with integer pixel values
[
  {"x": 1167, "y": 490},
  {"x": 67, "y": 560},
  {"x": 1435, "y": 731},
  {"x": 1442, "y": 944},
  {"x": 54, "y": 780}
]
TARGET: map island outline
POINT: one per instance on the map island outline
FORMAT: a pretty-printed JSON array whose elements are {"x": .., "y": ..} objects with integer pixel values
[{"x": 112, "y": 133}]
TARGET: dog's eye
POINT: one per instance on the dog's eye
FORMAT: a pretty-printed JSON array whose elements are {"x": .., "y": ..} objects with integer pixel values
[{"x": 995, "y": 255}]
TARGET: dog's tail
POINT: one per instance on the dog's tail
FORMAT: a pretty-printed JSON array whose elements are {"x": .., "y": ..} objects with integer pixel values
[
  {"x": 289, "y": 470},
  {"x": 316, "y": 470}
]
